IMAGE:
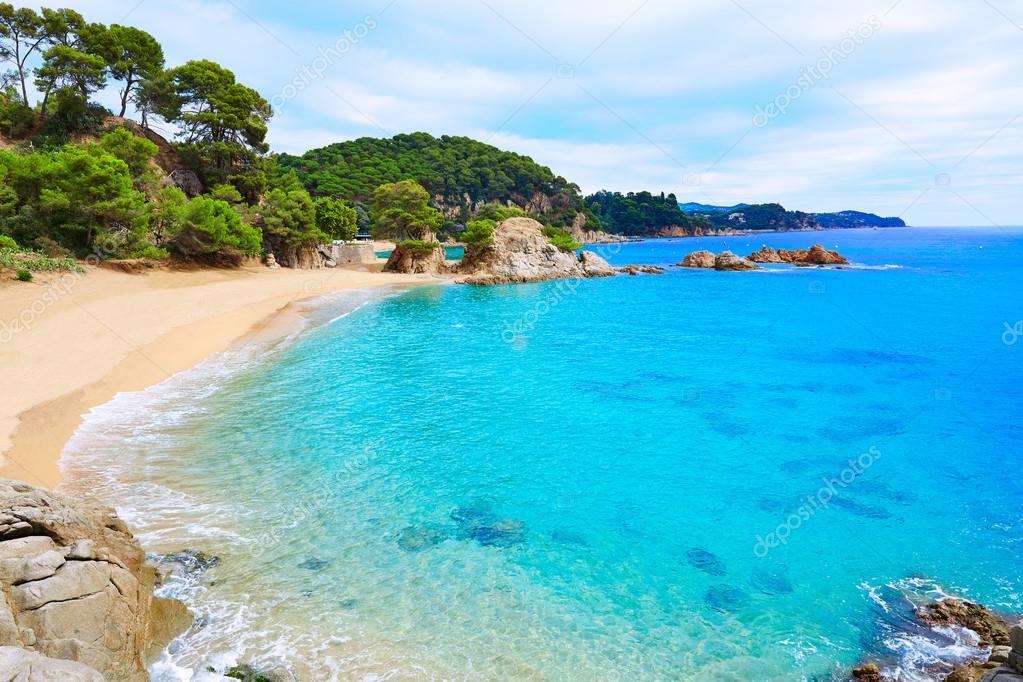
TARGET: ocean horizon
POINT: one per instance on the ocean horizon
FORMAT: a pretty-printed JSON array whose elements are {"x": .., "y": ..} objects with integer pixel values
[{"x": 700, "y": 475}]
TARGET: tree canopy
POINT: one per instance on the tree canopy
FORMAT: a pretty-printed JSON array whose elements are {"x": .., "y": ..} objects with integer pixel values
[{"x": 402, "y": 212}]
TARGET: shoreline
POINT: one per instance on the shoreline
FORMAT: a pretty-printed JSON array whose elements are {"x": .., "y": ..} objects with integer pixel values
[{"x": 85, "y": 338}]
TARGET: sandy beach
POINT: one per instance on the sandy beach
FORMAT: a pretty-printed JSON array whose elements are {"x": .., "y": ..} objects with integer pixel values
[{"x": 70, "y": 342}]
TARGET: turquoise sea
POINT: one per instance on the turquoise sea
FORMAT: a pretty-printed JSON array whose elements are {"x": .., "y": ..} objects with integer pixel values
[{"x": 694, "y": 476}]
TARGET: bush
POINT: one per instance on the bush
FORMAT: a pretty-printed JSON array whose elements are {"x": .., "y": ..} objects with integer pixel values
[
  {"x": 419, "y": 247},
  {"x": 561, "y": 239},
  {"x": 33, "y": 261},
  {"x": 479, "y": 233},
  {"x": 24, "y": 276},
  {"x": 8, "y": 243},
  {"x": 497, "y": 212}
]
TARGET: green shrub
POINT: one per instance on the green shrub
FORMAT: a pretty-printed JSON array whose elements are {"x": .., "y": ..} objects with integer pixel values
[
  {"x": 419, "y": 247},
  {"x": 8, "y": 243},
  {"x": 33, "y": 261},
  {"x": 561, "y": 239},
  {"x": 24, "y": 276},
  {"x": 497, "y": 212},
  {"x": 479, "y": 233}
]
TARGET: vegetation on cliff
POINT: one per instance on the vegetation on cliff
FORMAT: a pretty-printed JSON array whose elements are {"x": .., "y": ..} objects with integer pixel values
[
  {"x": 460, "y": 175},
  {"x": 642, "y": 213}
]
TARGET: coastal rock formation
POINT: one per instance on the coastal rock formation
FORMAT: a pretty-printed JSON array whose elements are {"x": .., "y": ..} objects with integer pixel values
[
  {"x": 766, "y": 255},
  {"x": 27, "y": 666},
  {"x": 521, "y": 253},
  {"x": 410, "y": 259},
  {"x": 815, "y": 255},
  {"x": 699, "y": 259},
  {"x": 1005, "y": 662},
  {"x": 584, "y": 236},
  {"x": 993, "y": 631},
  {"x": 728, "y": 261},
  {"x": 75, "y": 586},
  {"x": 641, "y": 270},
  {"x": 595, "y": 266}
]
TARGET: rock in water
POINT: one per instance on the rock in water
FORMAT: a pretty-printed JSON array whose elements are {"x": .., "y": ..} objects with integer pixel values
[
  {"x": 314, "y": 564},
  {"x": 728, "y": 261},
  {"x": 75, "y": 586},
  {"x": 699, "y": 259},
  {"x": 411, "y": 259},
  {"x": 771, "y": 583},
  {"x": 766, "y": 255},
  {"x": 867, "y": 673},
  {"x": 705, "y": 561},
  {"x": 595, "y": 266},
  {"x": 991, "y": 629},
  {"x": 725, "y": 598},
  {"x": 418, "y": 538},
  {"x": 634, "y": 270},
  {"x": 521, "y": 253}
]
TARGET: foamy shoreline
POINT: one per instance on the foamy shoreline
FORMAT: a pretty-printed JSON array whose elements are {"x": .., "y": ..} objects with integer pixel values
[{"x": 72, "y": 342}]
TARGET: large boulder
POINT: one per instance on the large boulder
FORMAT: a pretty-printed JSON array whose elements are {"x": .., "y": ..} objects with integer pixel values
[
  {"x": 815, "y": 255},
  {"x": 595, "y": 266},
  {"x": 22, "y": 665},
  {"x": 74, "y": 585},
  {"x": 766, "y": 255},
  {"x": 414, "y": 259},
  {"x": 699, "y": 259},
  {"x": 992, "y": 629},
  {"x": 727, "y": 260},
  {"x": 521, "y": 253}
]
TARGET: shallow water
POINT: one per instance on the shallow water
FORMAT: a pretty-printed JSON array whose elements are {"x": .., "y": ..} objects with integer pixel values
[{"x": 695, "y": 476}]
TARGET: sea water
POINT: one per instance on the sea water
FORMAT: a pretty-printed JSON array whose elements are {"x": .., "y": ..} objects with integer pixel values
[{"x": 693, "y": 476}]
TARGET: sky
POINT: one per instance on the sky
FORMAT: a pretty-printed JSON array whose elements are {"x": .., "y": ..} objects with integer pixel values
[{"x": 910, "y": 108}]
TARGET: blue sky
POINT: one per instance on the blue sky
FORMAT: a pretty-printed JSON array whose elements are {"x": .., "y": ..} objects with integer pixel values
[{"x": 911, "y": 108}]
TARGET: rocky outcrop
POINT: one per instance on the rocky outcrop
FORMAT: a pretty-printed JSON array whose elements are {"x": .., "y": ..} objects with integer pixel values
[
  {"x": 766, "y": 255},
  {"x": 584, "y": 236},
  {"x": 992, "y": 629},
  {"x": 815, "y": 255},
  {"x": 867, "y": 673},
  {"x": 634, "y": 270},
  {"x": 521, "y": 253},
  {"x": 728, "y": 261},
  {"x": 22, "y": 665},
  {"x": 411, "y": 259},
  {"x": 699, "y": 259},
  {"x": 75, "y": 586},
  {"x": 595, "y": 266}
]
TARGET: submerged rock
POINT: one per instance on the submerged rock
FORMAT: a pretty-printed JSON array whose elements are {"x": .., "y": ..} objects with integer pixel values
[
  {"x": 478, "y": 523},
  {"x": 418, "y": 538},
  {"x": 772, "y": 583},
  {"x": 706, "y": 561},
  {"x": 504, "y": 533},
  {"x": 726, "y": 598},
  {"x": 314, "y": 564}
]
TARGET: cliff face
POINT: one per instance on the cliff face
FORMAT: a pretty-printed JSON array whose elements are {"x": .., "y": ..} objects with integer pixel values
[{"x": 75, "y": 586}]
